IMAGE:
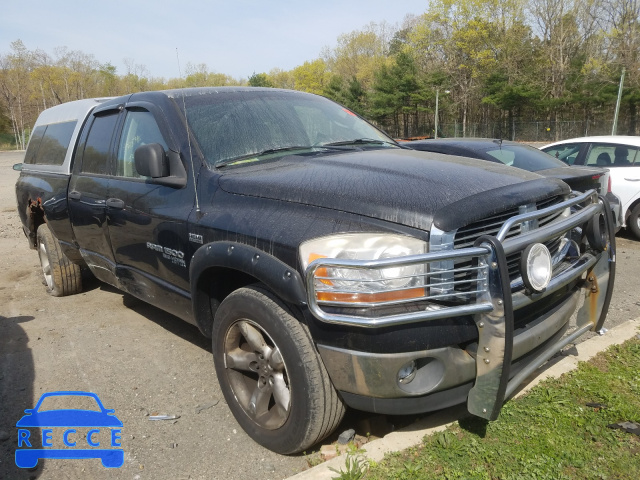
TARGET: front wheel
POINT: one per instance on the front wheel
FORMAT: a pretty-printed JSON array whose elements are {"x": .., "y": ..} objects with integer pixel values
[
  {"x": 634, "y": 221},
  {"x": 271, "y": 374}
]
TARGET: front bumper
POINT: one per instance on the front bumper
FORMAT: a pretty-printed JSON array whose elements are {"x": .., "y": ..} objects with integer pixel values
[{"x": 482, "y": 371}]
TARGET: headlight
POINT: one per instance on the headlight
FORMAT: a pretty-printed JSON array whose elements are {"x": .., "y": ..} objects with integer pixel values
[
  {"x": 365, "y": 285},
  {"x": 535, "y": 265}
]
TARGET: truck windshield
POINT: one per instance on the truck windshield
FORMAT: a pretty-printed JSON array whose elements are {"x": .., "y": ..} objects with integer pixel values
[{"x": 247, "y": 125}]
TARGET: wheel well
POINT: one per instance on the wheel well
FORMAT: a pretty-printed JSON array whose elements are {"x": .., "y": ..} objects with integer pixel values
[
  {"x": 35, "y": 216},
  {"x": 630, "y": 209},
  {"x": 213, "y": 286}
]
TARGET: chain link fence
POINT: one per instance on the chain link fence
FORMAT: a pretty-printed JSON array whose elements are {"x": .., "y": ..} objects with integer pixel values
[{"x": 530, "y": 131}]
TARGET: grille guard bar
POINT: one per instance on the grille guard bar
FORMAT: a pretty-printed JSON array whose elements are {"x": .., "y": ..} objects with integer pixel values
[
  {"x": 493, "y": 309},
  {"x": 483, "y": 253}
]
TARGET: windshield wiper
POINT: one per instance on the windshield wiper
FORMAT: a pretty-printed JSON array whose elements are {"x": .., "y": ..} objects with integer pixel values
[
  {"x": 257, "y": 155},
  {"x": 358, "y": 141}
]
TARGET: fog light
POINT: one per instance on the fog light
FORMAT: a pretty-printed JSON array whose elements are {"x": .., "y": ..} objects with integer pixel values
[
  {"x": 407, "y": 372},
  {"x": 535, "y": 266}
]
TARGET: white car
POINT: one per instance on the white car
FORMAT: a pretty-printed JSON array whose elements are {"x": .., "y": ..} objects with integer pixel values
[{"x": 621, "y": 155}]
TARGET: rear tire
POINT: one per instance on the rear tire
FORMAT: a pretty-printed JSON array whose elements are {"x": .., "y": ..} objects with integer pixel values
[
  {"x": 270, "y": 373},
  {"x": 634, "y": 221},
  {"x": 61, "y": 276}
]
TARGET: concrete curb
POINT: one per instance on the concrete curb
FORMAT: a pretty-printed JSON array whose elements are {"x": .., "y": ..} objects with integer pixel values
[{"x": 413, "y": 434}]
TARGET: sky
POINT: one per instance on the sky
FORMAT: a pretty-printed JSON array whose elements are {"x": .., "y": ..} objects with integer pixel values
[{"x": 234, "y": 37}]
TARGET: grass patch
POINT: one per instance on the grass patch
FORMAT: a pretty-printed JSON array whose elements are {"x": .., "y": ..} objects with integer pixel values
[{"x": 548, "y": 434}]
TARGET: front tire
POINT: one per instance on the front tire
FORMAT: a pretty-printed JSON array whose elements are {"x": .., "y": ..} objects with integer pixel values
[
  {"x": 634, "y": 221},
  {"x": 61, "y": 276},
  {"x": 271, "y": 374}
]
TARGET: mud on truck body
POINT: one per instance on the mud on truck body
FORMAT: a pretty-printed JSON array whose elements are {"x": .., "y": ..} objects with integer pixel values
[{"x": 330, "y": 266}]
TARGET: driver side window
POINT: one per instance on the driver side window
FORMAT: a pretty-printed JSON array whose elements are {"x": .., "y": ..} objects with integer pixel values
[
  {"x": 140, "y": 128},
  {"x": 567, "y": 152}
]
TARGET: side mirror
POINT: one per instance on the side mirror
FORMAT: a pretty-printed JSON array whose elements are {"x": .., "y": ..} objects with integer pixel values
[
  {"x": 164, "y": 168},
  {"x": 151, "y": 161},
  {"x": 17, "y": 167}
]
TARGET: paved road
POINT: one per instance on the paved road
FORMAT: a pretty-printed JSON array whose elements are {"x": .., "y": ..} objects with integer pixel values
[{"x": 141, "y": 361}]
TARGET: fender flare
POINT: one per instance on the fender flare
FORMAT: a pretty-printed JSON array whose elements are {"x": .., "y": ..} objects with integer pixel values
[{"x": 283, "y": 280}]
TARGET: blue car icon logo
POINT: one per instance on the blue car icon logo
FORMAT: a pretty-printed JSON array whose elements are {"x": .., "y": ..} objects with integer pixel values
[{"x": 99, "y": 420}]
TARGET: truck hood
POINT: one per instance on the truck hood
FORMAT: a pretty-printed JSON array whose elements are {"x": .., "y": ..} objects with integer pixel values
[{"x": 412, "y": 188}]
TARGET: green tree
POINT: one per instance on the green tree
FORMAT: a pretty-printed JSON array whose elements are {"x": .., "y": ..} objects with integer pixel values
[
  {"x": 502, "y": 60},
  {"x": 360, "y": 53},
  {"x": 260, "y": 80},
  {"x": 281, "y": 78},
  {"x": 109, "y": 80},
  {"x": 311, "y": 76},
  {"x": 510, "y": 96},
  {"x": 200, "y": 76},
  {"x": 350, "y": 93},
  {"x": 398, "y": 96},
  {"x": 460, "y": 39}
]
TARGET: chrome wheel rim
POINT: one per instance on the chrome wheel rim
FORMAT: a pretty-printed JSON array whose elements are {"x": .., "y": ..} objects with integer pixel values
[
  {"x": 46, "y": 266},
  {"x": 257, "y": 374}
]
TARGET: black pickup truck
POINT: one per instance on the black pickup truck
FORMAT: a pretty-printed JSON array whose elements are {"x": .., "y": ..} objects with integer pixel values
[{"x": 330, "y": 266}]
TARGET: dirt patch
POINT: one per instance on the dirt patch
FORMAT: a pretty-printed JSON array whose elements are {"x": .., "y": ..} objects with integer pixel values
[{"x": 138, "y": 360}]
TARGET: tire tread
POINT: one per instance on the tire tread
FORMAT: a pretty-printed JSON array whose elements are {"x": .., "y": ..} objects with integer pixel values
[
  {"x": 66, "y": 276},
  {"x": 326, "y": 408},
  {"x": 332, "y": 409}
]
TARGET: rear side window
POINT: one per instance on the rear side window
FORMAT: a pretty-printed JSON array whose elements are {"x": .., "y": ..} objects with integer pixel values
[
  {"x": 97, "y": 147},
  {"x": 34, "y": 144},
  {"x": 55, "y": 143},
  {"x": 608, "y": 155}
]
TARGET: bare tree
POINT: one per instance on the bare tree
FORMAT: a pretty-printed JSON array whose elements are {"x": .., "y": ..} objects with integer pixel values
[
  {"x": 621, "y": 22},
  {"x": 14, "y": 88}
]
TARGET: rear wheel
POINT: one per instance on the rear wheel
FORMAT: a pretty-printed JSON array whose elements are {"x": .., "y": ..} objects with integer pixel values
[
  {"x": 61, "y": 276},
  {"x": 271, "y": 374},
  {"x": 634, "y": 221}
]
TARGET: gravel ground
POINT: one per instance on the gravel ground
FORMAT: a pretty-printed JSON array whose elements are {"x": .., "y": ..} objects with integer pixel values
[{"x": 142, "y": 361}]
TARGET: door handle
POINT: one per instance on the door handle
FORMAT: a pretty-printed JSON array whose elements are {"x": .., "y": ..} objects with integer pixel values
[
  {"x": 632, "y": 179},
  {"x": 115, "y": 203},
  {"x": 74, "y": 195}
]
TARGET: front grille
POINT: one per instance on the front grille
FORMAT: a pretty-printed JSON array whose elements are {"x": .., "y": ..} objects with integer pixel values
[{"x": 467, "y": 235}]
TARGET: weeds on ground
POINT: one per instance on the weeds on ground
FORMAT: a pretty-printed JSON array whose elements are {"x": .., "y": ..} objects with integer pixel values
[
  {"x": 313, "y": 458},
  {"x": 550, "y": 433},
  {"x": 355, "y": 466}
]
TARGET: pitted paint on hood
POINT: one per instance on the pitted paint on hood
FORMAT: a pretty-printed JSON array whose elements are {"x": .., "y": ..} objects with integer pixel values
[{"x": 400, "y": 186}]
